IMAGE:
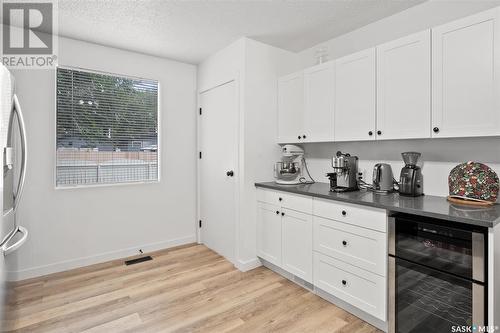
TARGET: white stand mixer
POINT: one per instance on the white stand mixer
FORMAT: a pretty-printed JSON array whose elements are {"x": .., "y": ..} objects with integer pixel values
[{"x": 289, "y": 171}]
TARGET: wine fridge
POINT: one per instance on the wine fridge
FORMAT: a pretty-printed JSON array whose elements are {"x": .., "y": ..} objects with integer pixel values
[{"x": 437, "y": 275}]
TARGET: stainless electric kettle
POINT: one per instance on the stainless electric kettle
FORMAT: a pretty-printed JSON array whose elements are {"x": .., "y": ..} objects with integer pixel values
[{"x": 383, "y": 179}]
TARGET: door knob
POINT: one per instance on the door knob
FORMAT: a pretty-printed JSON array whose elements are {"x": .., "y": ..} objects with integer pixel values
[{"x": 230, "y": 173}]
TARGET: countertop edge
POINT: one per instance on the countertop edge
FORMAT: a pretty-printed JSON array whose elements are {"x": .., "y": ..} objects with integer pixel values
[{"x": 481, "y": 223}]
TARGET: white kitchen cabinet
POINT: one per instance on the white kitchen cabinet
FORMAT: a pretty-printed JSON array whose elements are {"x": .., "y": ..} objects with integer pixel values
[
  {"x": 361, "y": 216},
  {"x": 290, "y": 108},
  {"x": 284, "y": 231},
  {"x": 404, "y": 88},
  {"x": 340, "y": 248},
  {"x": 360, "y": 247},
  {"x": 297, "y": 244},
  {"x": 319, "y": 103},
  {"x": 269, "y": 232},
  {"x": 355, "y": 86},
  {"x": 465, "y": 74},
  {"x": 360, "y": 288}
]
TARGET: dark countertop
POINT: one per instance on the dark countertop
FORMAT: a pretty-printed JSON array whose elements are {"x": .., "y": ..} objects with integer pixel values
[{"x": 427, "y": 205}]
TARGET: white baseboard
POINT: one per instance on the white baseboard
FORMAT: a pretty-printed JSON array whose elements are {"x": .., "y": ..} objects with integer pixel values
[
  {"x": 96, "y": 259},
  {"x": 247, "y": 265}
]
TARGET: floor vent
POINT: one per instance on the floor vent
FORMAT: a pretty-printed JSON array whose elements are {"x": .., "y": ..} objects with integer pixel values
[{"x": 138, "y": 260}]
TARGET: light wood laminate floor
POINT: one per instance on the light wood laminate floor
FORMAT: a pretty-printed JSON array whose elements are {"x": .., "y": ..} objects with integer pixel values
[{"x": 184, "y": 289}]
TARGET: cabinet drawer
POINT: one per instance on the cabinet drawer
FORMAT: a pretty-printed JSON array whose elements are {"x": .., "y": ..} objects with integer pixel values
[
  {"x": 364, "y": 290},
  {"x": 300, "y": 203},
  {"x": 269, "y": 196},
  {"x": 366, "y": 217},
  {"x": 360, "y": 247}
]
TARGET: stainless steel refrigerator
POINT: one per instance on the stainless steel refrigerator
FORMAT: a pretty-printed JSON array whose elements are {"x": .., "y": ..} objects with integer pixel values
[{"x": 13, "y": 148}]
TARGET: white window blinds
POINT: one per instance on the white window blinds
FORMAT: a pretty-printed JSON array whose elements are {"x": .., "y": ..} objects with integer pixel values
[{"x": 107, "y": 129}]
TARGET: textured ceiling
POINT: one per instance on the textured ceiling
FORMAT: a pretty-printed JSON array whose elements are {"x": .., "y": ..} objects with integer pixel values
[{"x": 190, "y": 31}]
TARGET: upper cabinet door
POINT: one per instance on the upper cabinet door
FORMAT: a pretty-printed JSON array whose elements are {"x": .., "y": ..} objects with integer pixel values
[
  {"x": 465, "y": 69},
  {"x": 404, "y": 88},
  {"x": 355, "y": 97},
  {"x": 319, "y": 98},
  {"x": 290, "y": 108}
]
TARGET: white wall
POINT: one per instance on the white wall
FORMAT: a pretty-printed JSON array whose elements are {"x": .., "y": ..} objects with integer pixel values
[
  {"x": 75, "y": 227},
  {"x": 424, "y": 16},
  {"x": 263, "y": 65},
  {"x": 256, "y": 67},
  {"x": 439, "y": 155}
]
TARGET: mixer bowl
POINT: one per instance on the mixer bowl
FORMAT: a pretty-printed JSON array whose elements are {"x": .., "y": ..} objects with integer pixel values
[
  {"x": 411, "y": 157},
  {"x": 287, "y": 170}
]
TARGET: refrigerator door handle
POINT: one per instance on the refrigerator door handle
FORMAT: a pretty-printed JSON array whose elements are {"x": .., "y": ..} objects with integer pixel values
[
  {"x": 6, "y": 249},
  {"x": 24, "y": 150}
]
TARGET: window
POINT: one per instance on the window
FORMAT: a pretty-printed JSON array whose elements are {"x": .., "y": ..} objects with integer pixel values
[{"x": 107, "y": 128}]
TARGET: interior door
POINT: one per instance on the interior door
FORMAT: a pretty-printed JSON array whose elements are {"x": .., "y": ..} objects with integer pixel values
[
  {"x": 319, "y": 98},
  {"x": 355, "y": 86},
  {"x": 465, "y": 76},
  {"x": 404, "y": 88},
  {"x": 218, "y": 172}
]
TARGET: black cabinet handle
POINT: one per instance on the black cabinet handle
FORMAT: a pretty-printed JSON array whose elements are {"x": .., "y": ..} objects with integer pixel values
[
  {"x": 277, "y": 212},
  {"x": 299, "y": 137},
  {"x": 303, "y": 136},
  {"x": 344, "y": 243},
  {"x": 344, "y": 213},
  {"x": 436, "y": 129},
  {"x": 379, "y": 132},
  {"x": 230, "y": 173},
  {"x": 282, "y": 214},
  {"x": 280, "y": 199},
  {"x": 370, "y": 133},
  {"x": 344, "y": 282}
]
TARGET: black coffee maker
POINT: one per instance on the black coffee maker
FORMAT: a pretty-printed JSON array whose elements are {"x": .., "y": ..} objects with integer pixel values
[{"x": 411, "y": 178}]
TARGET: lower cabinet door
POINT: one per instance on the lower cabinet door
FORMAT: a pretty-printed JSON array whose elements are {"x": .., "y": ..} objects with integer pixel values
[
  {"x": 269, "y": 232},
  {"x": 360, "y": 288},
  {"x": 297, "y": 244}
]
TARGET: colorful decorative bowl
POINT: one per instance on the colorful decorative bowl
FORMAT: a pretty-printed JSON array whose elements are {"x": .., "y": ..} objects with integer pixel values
[{"x": 473, "y": 181}]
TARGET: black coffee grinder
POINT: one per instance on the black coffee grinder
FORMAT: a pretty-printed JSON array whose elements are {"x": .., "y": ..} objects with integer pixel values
[{"x": 411, "y": 180}]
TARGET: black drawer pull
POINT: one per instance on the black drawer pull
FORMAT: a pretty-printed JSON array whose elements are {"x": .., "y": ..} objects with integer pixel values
[
  {"x": 344, "y": 213},
  {"x": 277, "y": 212},
  {"x": 344, "y": 282},
  {"x": 282, "y": 214},
  {"x": 344, "y": 243},
  {"x": 280, "y": 199}
]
